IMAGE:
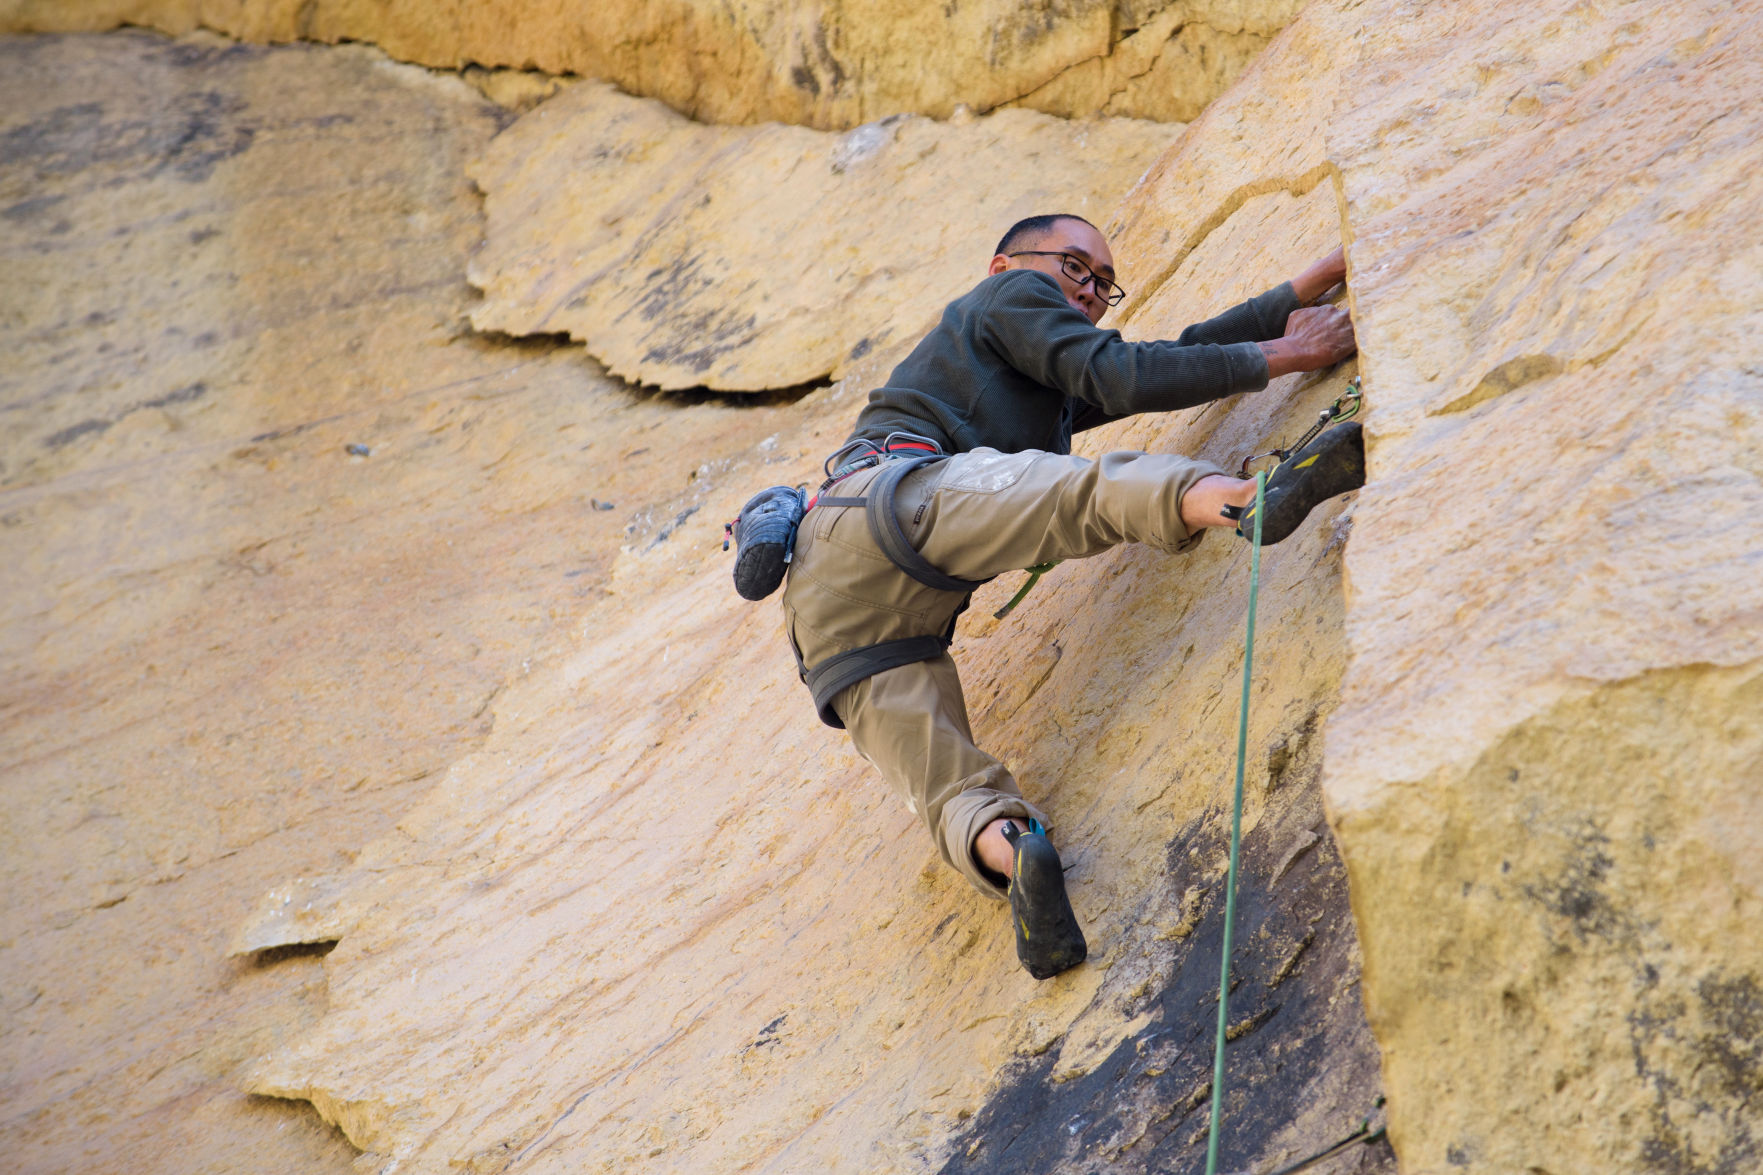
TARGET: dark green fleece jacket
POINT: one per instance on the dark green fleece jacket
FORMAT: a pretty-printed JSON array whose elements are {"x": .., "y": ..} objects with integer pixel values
[{"x": 1012, "y": 366}]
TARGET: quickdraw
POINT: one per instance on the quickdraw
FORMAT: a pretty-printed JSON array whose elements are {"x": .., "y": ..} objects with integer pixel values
[{"x": 1345, "y": 407}]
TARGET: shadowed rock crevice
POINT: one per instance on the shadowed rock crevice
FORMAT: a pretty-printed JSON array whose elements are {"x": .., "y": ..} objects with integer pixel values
[
  {"x": 307, "y": 1117},
  {"x": 495, "y": 342},
  {"x": 270, "y": 956}
]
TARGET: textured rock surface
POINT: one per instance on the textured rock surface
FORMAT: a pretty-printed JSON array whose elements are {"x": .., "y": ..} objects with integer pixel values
[
  {"x": 1545, "y": 767},
  {"x": 1573, "y": 770},
  {"x": 230, "y": 652},
  {"x": 1168, "y": 63},
  {"x": 559, "y": 963},
  {"x": 742, "y": 259},
  {"x": 834, "y": 64},
  {"x": 654, "y": 916},
  {"x": 651, "y": 916}
]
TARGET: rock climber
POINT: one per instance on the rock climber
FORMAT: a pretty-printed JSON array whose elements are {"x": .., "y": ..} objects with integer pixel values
[{"x": 966, "y": 453}]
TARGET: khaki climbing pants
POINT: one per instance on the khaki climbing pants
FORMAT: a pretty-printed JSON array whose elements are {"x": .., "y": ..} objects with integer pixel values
[{"x": 973, "y": 516}]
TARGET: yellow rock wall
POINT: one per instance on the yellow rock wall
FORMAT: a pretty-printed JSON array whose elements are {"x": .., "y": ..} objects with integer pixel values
[
  {"x": 647, "y": 914},
  {"x": 479, "y": 708},
  {"x": 1549, "y": 741},
  {"x": 831, "y": 64},
  {"x": 1544, "y": 768},
  {"x": 234, "y": 653}
]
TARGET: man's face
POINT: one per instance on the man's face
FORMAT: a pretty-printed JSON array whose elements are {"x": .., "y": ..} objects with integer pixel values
[{"x": 1081, "y": 241}]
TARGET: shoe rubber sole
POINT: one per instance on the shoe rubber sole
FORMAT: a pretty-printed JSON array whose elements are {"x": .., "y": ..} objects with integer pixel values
[
  {"x": 1329, "y": 466},
  {"x": 759, "y": 570},
  {"x": 1048, "y": 938},
  {"x": 765, "y": 534}
]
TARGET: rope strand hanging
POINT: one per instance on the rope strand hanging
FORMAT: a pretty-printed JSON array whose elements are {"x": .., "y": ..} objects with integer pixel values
[
  {"x": 1236, "y": 839},
  {"x": 1344, "y": 407}
]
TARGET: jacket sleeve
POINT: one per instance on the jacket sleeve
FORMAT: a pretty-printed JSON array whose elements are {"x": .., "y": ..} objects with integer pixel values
[
  {"x": 1087, "y": 416},
  {"x": 1034, "y": 329},
  {"x": 1261, "y": 318}
]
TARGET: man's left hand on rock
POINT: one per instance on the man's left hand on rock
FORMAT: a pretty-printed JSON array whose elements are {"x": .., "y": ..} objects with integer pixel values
[{"x": 1316, "y": 337}]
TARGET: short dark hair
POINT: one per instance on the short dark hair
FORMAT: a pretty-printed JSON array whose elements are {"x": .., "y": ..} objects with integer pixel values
[{"x": 1031, "y": 229}]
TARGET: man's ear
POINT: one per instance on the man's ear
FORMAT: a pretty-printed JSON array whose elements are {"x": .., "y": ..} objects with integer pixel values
[{"x": 999, "y": 264}]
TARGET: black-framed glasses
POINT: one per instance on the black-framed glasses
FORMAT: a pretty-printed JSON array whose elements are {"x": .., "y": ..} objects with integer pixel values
[{"x": 1077, "y": 271}]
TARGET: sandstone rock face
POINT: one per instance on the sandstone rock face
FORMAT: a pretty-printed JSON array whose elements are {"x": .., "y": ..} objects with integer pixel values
[
  {"x": 650, "y": 915},
  {"x": 1571, "y": 774},
  {"x": 1168, "y": 63},
  {"x": 743, "y": 259},
  {"x": 233, "y": 653},
  {"x": 653, "y": 916},
  {"x": 1545, "y": 763},
  {"x": 833, "y": 64},
  {"x": 559, "y": 964}
]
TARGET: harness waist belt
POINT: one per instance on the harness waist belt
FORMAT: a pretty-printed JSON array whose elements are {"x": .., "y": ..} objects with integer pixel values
[
  {"x": 884, "y": 528},
  {"x": 843, "y": 670},
  {"x": 839, "y": 672}
]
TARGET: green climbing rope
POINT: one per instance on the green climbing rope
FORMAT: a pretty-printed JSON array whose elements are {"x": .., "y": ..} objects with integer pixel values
[
  {"x": 1034, "y": 576},
  {"x": 1236, "y": 840}
]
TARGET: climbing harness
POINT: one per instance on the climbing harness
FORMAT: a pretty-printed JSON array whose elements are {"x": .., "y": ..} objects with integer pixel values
[
  {"x": 885, "y": 528},
  {"x": 1345, "y": 407},
  {"x": 862, "y": 453},
  {"x": 769, "y": 513},
  {"x": 827, "y": 679}
]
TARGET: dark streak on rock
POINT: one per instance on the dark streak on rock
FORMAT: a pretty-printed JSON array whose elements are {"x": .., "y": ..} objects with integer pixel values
[
  {"x": 1703, "y": 1059},
  {"x": 667, "y": 531},
  {"x": 68, "y": 435},
  {"x": 183, "y": 395},
  {"x": 189, "y": 137},
  {"x": 28, "y": 209},
  {"x": 1143, "y": 1109},
  {"x": 1578, "y": 892}
]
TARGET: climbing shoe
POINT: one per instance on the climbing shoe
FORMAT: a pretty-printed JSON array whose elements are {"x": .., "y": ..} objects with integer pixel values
[
  {"x": 1048, "y": 938},
  {"x": 1327, "y": 467},
  {"x": 765, "y": 538}
]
